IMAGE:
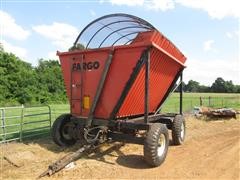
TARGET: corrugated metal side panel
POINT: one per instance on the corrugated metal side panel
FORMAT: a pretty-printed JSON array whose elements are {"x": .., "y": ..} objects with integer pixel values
[
  {"x": 162, "y": 41},
  {"x": 133, "y": 103},
  {"x": 123, "y": 63},
  {"x": 162, "y": 72},
  {"x": 167, "y": 45}
]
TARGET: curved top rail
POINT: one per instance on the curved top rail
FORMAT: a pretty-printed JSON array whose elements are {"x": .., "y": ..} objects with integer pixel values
[{"x": 112, "y": 24}]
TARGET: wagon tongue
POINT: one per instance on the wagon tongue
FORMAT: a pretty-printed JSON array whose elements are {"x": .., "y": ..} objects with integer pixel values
[{"x": 64, "y": 161}]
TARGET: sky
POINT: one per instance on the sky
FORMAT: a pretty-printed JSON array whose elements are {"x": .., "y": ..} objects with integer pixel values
[{"x": 206, "y": 31}]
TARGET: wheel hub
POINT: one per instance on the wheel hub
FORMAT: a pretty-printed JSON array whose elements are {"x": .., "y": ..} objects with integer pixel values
[
  {"x": 182, "y": 131},
  {"x": 161, "y": 145},
  {"x": 66, "y": 131}
]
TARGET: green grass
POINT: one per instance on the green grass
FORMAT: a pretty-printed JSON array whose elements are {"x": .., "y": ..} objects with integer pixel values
[{"x": 190, "y": 100}]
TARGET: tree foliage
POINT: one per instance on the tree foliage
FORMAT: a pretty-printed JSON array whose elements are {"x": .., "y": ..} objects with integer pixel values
[
  {"x": 218, "y": 86},
  {"x": 1, "y": 47},
  {"x": 50, "y": 81},
  {"x": 77, "y": 47},
  {"x": 222, "y": 86},
  {"x": 22, "y": 83},
  {"x": 192, "y": 86}
]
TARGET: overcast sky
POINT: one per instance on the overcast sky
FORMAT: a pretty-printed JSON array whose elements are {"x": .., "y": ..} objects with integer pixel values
[{"x": 206, "y": 31}]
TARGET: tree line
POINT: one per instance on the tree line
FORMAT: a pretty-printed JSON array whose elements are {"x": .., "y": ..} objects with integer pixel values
[
  {"x": 21, "y": 83},
  {"x": 218, "y": 86}
]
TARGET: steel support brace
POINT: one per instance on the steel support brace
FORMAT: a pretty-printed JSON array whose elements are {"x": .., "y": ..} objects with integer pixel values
[
  {"x": 181, "y": 93},
  {"x": 136, "y": 70},
  {"x": 147, "y": 76},
  {"x": 126, "y": 138},
  {"x": 170, "y": 90},
  {"x": 99, "y": 88},
  {"x": 133, "y": 125}
]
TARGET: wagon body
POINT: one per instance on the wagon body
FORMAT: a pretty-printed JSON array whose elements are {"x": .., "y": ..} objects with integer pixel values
[
  {"x": 117, "y": 83},
  {"x": 120, "y": 98}
]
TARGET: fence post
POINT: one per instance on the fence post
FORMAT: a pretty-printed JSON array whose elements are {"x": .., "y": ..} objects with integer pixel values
[
  {"x": 200, "y": 101},
  {"x": 50, "y": 116},
  {"x": 21, "y": 123},
  {"x": 3, "y": 124}
]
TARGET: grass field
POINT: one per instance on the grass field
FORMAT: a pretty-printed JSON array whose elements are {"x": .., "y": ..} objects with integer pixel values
[
  {"x": 190, "y": 100},
  {"x": 40, "y": 124}
]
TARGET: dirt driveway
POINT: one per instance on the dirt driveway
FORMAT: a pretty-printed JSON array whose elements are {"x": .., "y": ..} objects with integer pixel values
[{"x": 211, "y": 151}]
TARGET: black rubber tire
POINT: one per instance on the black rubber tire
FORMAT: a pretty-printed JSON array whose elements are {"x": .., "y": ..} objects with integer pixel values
[
  {"x": 177, "y": 129},
  {"x": 151, "y": 144},
  {"x": 57, "y": 129}
]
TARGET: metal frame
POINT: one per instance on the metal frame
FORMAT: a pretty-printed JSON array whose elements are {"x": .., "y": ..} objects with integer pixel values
[
  {"x": 124, "y": 28},
  {"x": 106, "y": 26},
  {"x": 181, "y": 94},
  {"x": 147, "y": 76},
  {"x": 126, "y": 36},
  {"x": 133, "y": 20}
]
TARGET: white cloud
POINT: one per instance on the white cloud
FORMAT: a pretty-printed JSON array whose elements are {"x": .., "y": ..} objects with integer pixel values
[
  {"x": 208, "y": 45},
  {"x": 127, "y": 2},
  {"x": 162, "y": 5},
  {"x": 229, "y": 35},
  {"x": 215, "y": 8},
  {"x": 233, "y": 34},
  {"x": 92, "y": 12},
  {"x": 62, "y": 35},
  {"x": 206, "y": 72},
  {"x": 10, "y": 29},
  {"x": 18, "y": 51}
]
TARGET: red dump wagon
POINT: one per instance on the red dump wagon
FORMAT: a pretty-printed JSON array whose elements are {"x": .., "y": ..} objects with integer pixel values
[{"x": 118, "y": 74}]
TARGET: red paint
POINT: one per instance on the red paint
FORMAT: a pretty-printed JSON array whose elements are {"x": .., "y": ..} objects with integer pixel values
[{"x": 165, "y": 62}]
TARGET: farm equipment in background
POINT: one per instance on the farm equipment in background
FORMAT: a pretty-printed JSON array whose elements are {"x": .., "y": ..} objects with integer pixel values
[
  {"x": 117, "y": 83},
  {"x": 215, "y": 112}
]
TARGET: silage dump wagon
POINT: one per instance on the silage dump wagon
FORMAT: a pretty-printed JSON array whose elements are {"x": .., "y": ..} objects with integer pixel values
[{"x": 117, "y": 83}]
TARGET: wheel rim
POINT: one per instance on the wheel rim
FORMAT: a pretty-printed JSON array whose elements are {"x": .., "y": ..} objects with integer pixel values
[
  {"x": 161, "y": 145},
  {"x": 65, "y": 132},
  {"x": 182, "y": 131}
]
